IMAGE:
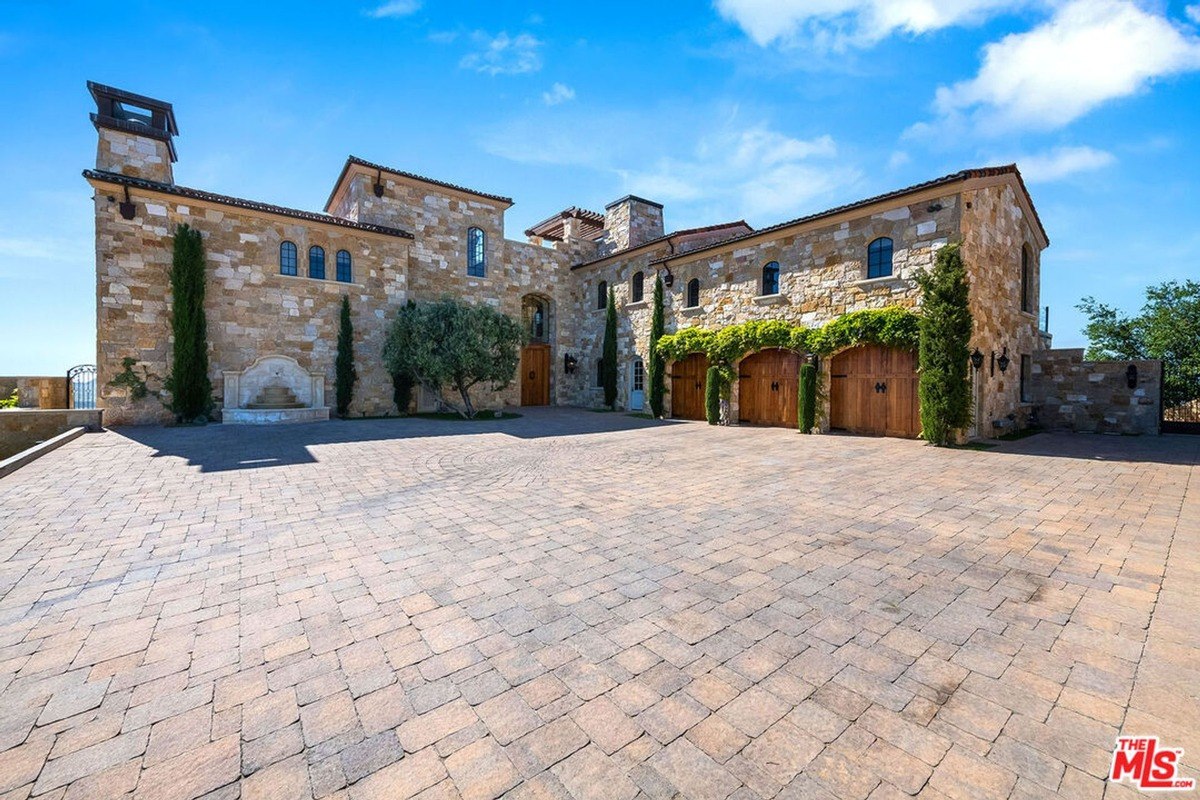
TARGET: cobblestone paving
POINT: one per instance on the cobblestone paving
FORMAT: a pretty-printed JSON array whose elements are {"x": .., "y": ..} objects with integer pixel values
[{"x": 589, "y": 605}]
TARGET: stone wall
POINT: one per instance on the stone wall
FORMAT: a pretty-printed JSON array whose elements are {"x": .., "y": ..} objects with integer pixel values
[
  {"x": 1094, "y": 396},
  {"x": 439, "y": 219},
  {"x": 40, "y": 391},
  {"x": 22, "y": 428},
  {"x": 135, "y": 156},
  {"x": 630, "y": 222},
  {"x": 252, "y": 309},
  {"x": 823, "y": 270},
  {"x": 994, "y": 229}
]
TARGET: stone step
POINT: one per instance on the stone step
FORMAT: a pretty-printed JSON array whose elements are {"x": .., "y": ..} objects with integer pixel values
[{"x": 280, "y": 405}]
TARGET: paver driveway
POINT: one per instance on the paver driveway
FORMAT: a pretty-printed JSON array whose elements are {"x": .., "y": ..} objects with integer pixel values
[{"x": 590, "y": 605}]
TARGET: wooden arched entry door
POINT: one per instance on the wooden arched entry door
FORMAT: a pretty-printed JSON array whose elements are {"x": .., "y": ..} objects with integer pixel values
[
  {"x": 873, "y": 391},
  {"x": 767, "y": 388},
  {"x": 687, "y": 386}
]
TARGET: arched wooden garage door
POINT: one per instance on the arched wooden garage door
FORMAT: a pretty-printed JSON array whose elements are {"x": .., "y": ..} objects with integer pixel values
[
  {"x": 873, "y": 390},
  {"x": 767, "y": 388},
  {"x": 687, "y": 386}
]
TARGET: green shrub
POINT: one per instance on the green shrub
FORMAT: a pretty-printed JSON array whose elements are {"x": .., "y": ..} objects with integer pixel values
[
  {"x": 658, "y": 367},
  {"x": 712, "y": 396},
  {"x": 10, "y": 401},
  {"x": 344, "y": 373},
  {"x": 807, "y": 402},
  {"x": 608, "y": 368},
  {"x": 191, "y": 390},
  {"x": 945, "y": 335}
]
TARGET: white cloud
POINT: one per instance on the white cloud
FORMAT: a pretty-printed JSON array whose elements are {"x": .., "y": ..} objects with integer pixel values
[
  {"x": 395, "y": 8},
  {"x": 1089, "y": 52},
  {"x": 898, "y": 159},
  {"x": 1062, "y": 162},
  {"x": 559, "y": 93},
  {"x": 503, "y": 54},
  {"x": 838, "y": 23},
  {"x": 1193, "y": 13}
]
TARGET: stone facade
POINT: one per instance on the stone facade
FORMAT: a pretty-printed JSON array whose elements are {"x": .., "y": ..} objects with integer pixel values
[
  {"x": 1095, "y": 396},
  {"x": 36, "y": 391},
  {"x": 408, "y": 237}
]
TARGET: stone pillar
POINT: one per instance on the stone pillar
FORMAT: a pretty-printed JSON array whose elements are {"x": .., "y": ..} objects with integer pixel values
[{"x": 632, "y": 221}]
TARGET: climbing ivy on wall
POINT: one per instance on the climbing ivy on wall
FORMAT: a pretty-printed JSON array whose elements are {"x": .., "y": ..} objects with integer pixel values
[{"x": 891, "y": 327}]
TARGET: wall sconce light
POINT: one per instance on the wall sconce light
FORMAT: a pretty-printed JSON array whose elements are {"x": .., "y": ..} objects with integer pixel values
[
  {"x": 668, "y": 279},
  {"x": 933, "y": 208},
  {"x": 378, "y": 187},
  {"x": 128, "y": 209},
  {"x": 1002, "y": 361},
  {"x": 1131, "y": 376},
  {"x": 977, "y": 359},
  {"x": 570, "y": 363}
]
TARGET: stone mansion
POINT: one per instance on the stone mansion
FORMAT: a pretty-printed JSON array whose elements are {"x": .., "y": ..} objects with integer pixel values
[{"x": 276, "y": 277}]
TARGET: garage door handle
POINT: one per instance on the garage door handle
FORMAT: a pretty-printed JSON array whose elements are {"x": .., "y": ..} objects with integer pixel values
[
  {"x": 531, "y": 374},
  {"x": 878, "y": 387}
]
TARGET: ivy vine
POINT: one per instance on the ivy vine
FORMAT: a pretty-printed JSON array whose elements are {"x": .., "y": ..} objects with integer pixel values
[
  {"x": 891, "y": 327},
  {"x": 130, "y": 380}
]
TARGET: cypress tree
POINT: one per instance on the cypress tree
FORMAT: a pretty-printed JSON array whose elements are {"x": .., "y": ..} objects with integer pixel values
[
  {"x": 191, "y": 390},
  {"x": 608, "y": 369},
  {"x": 943, "y": 389},
  {"x": 657, "y": 365},
  {"x": 712, "y": 396},
  {"x": 807, "y": 407},
  {"x": 344, "y": 373}
]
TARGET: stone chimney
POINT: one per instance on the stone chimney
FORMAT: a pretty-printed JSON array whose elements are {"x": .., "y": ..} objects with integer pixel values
[
  {"x": 632, "y": 221},
  {"x": 136, "y": 134}
]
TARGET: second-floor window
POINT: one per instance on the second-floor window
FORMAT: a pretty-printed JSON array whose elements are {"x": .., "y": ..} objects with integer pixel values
[
  {"x": 287, "y": 258},
  {"x": 345, "y": 273},
  {"x": 879, "y": 258},
  {"x": 316, "y": 262},
  {"x": 1026, "y": 280},
  {"x": 770, "y": 278},
  {"x": 476, "y": 253},
  {"x": 637, "y": 290},
  {"x": 692, "y": 300},
  {"x": 602, "y": 294}
]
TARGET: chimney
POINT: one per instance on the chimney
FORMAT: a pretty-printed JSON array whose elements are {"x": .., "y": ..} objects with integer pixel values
[
  {"x": 136, "y": 134},
  {"x": 632, "y": 221}
]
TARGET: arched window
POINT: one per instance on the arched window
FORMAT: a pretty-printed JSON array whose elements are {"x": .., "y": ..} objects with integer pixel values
[
  {"x": 770, "y": 278},
  {"x": 287, "y": 258},
  {"x": 879, "y": 258},
  {"x": 638, "y": 289},
  {"x": 476, "y": 253},
  {"x": 535, "y": 319},
  {"x": 316, "y": 262},
  {"x": 602, "y": 295},
  {"x": 693, "y": 293},
  {"x": 345, "y": 273},
  {"x": 1026, "y": 294}
]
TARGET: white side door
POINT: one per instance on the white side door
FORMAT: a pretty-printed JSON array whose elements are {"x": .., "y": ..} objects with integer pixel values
[{"x": 637, "y": 385}]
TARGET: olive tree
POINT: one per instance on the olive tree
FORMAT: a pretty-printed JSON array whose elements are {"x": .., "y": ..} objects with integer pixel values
[{"x": 452, "y": 344}]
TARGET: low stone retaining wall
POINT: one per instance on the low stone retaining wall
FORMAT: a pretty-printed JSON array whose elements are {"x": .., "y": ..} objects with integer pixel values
[
  {"x": 1096, "y": 396},
  {"x": 36, "y": 391},
  {"x": 21, "y": 428}
]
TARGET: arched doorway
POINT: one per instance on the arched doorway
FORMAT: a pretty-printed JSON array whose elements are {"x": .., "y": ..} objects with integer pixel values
[
  {"x": 768, "y": 388},
  {"x": 873, "y": 391},
  {"x": 535, "y": 355},
  {"x": 687, "y": 386}
]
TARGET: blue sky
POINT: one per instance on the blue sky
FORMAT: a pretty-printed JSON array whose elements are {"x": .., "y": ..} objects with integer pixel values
[{"x": 755, "y": 109}]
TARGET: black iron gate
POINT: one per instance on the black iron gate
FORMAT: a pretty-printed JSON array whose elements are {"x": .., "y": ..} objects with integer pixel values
[
  {"x": 1180, "y": 410},
  {"x": 81, "y": 386}
]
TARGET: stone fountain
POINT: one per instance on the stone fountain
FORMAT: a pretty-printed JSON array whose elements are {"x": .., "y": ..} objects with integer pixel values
[{"x": 273, "y": 390}]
